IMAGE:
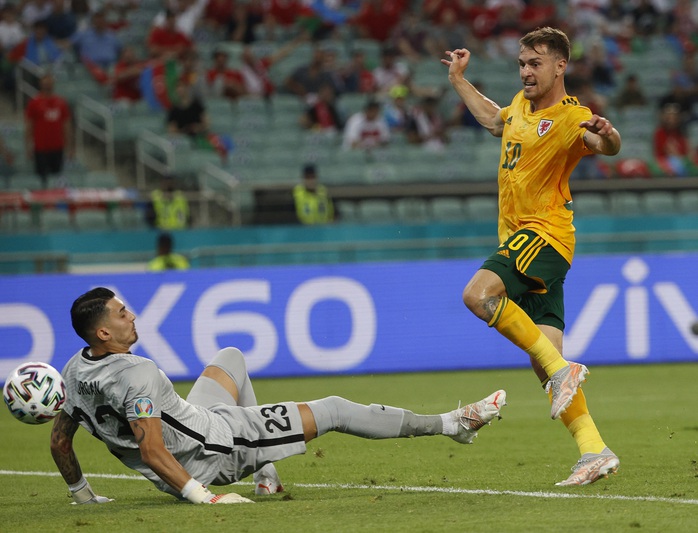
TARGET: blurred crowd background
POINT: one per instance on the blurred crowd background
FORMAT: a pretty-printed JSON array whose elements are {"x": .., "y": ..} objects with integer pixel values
[{"x": 234, "y": 103}]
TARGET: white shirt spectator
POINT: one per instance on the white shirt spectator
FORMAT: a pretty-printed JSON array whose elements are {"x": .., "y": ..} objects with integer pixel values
[
  {"x": 365, "y": 130},
  {"x": 11, "y": 34}
]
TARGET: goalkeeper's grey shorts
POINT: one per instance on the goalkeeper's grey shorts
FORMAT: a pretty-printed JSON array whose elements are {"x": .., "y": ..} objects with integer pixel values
[{"x": 261, "y": 434}]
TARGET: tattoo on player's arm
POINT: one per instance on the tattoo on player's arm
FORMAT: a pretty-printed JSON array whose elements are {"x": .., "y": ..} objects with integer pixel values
[
  {"x": 62, "y": 448},
  {"x": 489, "y": 306}
]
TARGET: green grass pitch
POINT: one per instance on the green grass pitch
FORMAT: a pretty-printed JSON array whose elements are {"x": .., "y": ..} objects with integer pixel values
[{"x": 503, "y": 482}]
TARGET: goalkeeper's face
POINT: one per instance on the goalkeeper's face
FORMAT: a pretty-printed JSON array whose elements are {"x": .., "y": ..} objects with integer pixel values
[{"x": 120, "y": 326}]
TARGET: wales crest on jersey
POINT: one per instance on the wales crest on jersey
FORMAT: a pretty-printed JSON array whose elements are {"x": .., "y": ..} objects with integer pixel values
[{"x": 544, "y": 126}]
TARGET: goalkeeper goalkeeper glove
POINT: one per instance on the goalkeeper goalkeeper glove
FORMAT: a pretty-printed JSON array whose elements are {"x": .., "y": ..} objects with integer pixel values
[
  {"x": 83, "y": 493},
  {"x": 195, "y": 492}
]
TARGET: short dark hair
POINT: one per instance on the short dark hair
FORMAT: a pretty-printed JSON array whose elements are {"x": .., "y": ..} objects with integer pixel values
[
  {"x": 556, "y": 40},
  {"x": 88, "y": 310}
]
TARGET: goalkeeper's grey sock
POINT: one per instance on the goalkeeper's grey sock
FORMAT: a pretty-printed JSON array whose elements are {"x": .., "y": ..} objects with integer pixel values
[{"x": 371, "y": 421}]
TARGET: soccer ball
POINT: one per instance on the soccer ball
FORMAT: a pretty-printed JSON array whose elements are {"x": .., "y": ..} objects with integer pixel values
[{"x": 34, "y": 393}]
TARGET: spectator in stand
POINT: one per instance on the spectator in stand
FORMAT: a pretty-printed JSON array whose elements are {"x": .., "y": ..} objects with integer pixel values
[
  {"x": 312, "y": 201},
  {"x": 538, "y": 14},
  {"x": 126, "y": 77},
  {"x": 672, "y": 152},
  {"x": 192, "y": 74},
  {"x": 35, "y": 10},
  {"x": 413, "y": 39},
  {"x": 687, "y": 75},
  {"x": 436, "y": 10},
  {"x": 167, "y": 258},
  {"x": 321, "y": 113},
  {"x": 426, "y": 126},
  {"x": 390, "y": 72},
  {"x": 376, "y": 19},
  {"x": 255, "y": 70},
  {"x": 462, "y": 116},
  {"x": 367, "y": 129},
  {"x": 242, "y": 26},
  {"x": 680, "y": 95},
  {"x": 168, "y": 209},
  {"x": 48, "y": 130},
  {"x": 187, "y": 114},
  {"x": 617, "y": 27},
  {"x": 218, "y": 13},
  {"x": 306, "y": 80},
  {"x": 186, "y": 13},
  {"x": 504, "y": 41},
  {"x": 450, "y": 33},
  {"x": 7, "y": 160},
  {"x": 397, "y": 112},
  {"x": 630, "y": 94},
  {"x": 11, "y": 35},
  {"x": 683, "y": 25},
  {"x": 62, "y": 23},
  {"x": 38, "y": 48},
  {"x": 603, "y": 75},
  {"x": 223, "y": 81},
  {"x": 591, "y": 166},
  {"x": 98, "y": 44},
  {"x": 356, "y": 75},
  {"x": 647, "y": 18},
  {"x": 280, "y": 16},
  {"x": 167, "y": 41}
]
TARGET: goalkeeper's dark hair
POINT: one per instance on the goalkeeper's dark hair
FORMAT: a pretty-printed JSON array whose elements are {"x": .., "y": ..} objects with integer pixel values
[
  {"x": 556, "y": 40},
  {"x": 88, "y": 310}
]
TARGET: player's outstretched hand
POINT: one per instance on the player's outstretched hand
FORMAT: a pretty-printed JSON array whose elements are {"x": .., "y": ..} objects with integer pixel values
[
  {"x": 82, "y": 493},
  {"x": 599, "y": 125},
  {"x": 457, "y": 61},
  {"x": 195, "y": 492}
]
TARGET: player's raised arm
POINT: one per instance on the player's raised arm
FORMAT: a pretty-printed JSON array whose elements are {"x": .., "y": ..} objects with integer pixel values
[
  {"x": 601, "y": 137},
  {"x": 64, "y": 428},
  {"x": 485, "y": 111}
]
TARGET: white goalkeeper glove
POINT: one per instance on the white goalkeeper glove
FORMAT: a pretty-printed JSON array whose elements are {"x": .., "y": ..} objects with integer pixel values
[
  {"x": 83, "y": 493},
  {"x": 195, "y": 492}
]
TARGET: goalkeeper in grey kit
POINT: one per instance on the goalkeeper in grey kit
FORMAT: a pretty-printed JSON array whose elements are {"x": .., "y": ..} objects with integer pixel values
[{"x": 219, "y": 434}]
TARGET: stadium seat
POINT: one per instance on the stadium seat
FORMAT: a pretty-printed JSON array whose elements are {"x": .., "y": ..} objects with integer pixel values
[
  {"x": 687, "y": 202},
  {"x": 375, "y": 211},
  {"x": 101, "y": 179},
  {"x": 659, "y": 203},
  {"x": 92, "y": 219},
  {"x": 411, "y": 210},
  {"x": 481, "y": 207},
  {"x": 590, "y": 204},
  {"x": 56, "y": 219},
  {"x": 129, "y": 218},
  {"x": 625, "y": 203},
  {"x": 346, "y": 211},
  {"x": 447, "y": 209}
]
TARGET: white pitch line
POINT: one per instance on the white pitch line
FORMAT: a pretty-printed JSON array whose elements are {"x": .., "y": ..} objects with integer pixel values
[{"x": 444, "y": 490}]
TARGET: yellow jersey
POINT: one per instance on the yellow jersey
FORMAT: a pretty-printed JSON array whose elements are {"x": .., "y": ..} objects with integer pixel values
[{"x": 539, "y": 151}]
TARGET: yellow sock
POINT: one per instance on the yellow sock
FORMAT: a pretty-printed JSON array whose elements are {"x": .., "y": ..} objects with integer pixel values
[
  {"x": 581, "y": 426},
  {"x": 512, "y": 322}
]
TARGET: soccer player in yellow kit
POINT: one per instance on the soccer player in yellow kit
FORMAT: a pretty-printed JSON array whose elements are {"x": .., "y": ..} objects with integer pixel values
[{"x": 518, "y": 290}]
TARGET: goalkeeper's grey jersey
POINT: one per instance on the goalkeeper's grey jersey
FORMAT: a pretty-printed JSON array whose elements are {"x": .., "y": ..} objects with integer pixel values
[{"x": 104, "y": 395}]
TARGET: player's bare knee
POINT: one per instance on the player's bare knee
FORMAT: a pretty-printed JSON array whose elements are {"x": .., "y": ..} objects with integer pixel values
[{"x": 482, "y": 305}]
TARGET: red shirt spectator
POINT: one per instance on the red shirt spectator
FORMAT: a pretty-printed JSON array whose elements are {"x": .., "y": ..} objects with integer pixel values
[
  {"x": 434, "y": 9},
  {"x": 222, "y": 80},
  {"x": 285, "y": 12},
  {"x": 127, "y": 73},
  {"x": 167, "y": 39},
  {"x": 377, "y": 18},
  {"x": 47, "y": 115}
]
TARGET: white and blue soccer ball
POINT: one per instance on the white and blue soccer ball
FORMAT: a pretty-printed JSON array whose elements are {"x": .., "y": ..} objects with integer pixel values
[{"x": 34, "y": 393}]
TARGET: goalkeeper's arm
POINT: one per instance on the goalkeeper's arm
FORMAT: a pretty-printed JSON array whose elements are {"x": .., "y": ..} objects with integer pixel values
[
  {"x": 64, "y": 428},
  {"x": 154, "y": 453}
]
